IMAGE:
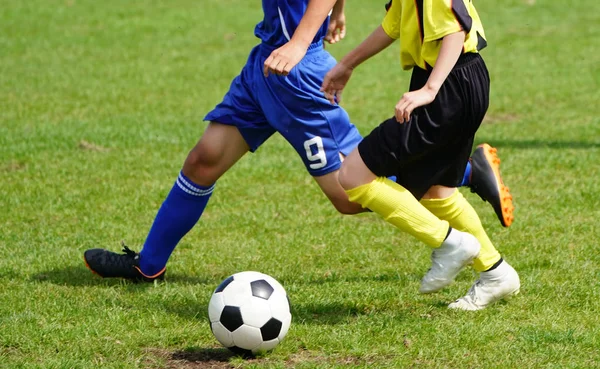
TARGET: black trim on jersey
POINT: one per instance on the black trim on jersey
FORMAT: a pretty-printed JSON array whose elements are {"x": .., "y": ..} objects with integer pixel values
[
  {"x": 462, "y": 15},
  {"x": 388, "y": 6},
  {"x": 419, "y": 6},
  {"x": 481, "y": 42}
]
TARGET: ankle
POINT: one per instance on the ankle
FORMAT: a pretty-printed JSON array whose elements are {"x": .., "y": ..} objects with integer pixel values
[{"x": 496, "y": 264}]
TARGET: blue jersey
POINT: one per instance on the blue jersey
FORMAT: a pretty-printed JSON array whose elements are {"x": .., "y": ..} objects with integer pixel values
[{"x": 281, "y": 20}]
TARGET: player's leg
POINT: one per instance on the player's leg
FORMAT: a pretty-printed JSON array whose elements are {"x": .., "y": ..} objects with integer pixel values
[
  {"x": 218, "y": 149},
  {"x": 498, "y": 280},
  {"x": 242, "y": 127},
  {"x": 449, "y": 204},
  {"x": 484, "y": 180},
  {"x": 330, "y": 185},
  {"x": 431, "y": 148},
  {"x": 453, "y": 249},
  {"x": 322, "y": 155}
]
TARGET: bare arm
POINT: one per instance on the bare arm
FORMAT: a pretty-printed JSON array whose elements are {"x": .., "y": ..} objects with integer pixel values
[
  {"x": 336, "y": 79},
  {"x": 283, "y": 59},
  {"x": 452, "y": 46},
  {"x": 312, "y": 20},
  {"x": 372, "y": 45}
]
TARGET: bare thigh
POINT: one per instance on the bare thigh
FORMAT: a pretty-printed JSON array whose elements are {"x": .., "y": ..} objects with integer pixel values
[{"x": 354, "y": 172}]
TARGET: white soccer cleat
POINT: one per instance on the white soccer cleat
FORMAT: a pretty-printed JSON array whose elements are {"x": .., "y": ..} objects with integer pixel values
[
  {"x": 458, "y": 250},
  {"x": 500, "y": 283}
]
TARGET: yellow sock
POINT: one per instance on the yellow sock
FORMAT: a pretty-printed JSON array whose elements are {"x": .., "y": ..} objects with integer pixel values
[
  {"x": 461, "y": 215},
  {"x": 399, "y": 207}
]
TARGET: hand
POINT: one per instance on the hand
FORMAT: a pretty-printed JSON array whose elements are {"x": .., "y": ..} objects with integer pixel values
[
  {"x": 335, "y": 81},
  {"x": 337, "y": 28},
  {"x": 412, "y": 100},
  {"x": 282, "y": 60}
]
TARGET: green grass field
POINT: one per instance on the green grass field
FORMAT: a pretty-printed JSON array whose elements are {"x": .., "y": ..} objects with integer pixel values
[{"x": 100, "y": 102}]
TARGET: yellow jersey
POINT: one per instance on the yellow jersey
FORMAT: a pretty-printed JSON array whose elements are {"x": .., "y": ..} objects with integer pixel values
[{"x": 421, "y": 24}]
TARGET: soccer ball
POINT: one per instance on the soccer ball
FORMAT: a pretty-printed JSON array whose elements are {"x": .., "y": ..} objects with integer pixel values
[{"x": 249, "y": 312}]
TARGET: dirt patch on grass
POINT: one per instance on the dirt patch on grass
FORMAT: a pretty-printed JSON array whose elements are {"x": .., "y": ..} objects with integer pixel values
[
  {"x": 500, "y": 118},
  {"x": 220, "y": 358},
  {"x": 201, "y": 359},
  {"x": 88, "y": 146},
  {"x": 12, "y": 166},
  {"x": 197, "y": 358}
]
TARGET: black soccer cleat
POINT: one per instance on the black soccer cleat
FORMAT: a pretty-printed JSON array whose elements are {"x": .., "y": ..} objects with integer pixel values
[
  {"x": 108, "y": 264},
  {"x": 487, "y": 183}
]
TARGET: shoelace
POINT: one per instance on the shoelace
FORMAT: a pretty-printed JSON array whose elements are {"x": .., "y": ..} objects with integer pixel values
[
  {"x": 471, "y": 292},
  {"x": 127, "y": 250}
]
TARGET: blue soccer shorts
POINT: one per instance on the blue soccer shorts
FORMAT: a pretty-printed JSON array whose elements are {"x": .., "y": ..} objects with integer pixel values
[{"x": 291, "y": 105}]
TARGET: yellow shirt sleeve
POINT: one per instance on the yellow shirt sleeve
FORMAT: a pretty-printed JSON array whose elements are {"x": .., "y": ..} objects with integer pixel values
[
  {"x": 391, "y": 22},
  {"x": 444, "y": 17}
]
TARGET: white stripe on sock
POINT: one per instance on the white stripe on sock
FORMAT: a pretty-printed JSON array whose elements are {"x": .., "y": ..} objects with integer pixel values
[
  {"x": 186, "y": 190},
  {"x": 195, "y": 191}
]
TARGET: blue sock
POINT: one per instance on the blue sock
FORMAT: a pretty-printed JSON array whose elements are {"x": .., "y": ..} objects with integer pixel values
[
  {"x": 176, "y": 217},
  {"x": 467, "y": 176}
]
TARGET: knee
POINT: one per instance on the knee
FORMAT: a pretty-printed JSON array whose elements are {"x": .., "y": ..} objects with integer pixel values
[
  {"x": 201, "y": 165},
  {"x": 345, "y": 178},
  {"x": 346, "y": 207}
]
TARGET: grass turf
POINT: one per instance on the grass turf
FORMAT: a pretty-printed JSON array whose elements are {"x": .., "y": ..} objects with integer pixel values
[{"x": 100, "y": 103}]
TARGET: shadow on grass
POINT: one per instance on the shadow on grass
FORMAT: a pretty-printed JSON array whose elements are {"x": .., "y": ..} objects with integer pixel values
[
  {"x": 543, "y": 144},
  {"x": 344, "y": 312},
  {"x": 391, "y": 276},
  {"x": 197, "y": 358},
  {"x": 186, "y": 307},
  {"x": 194, "y": 308},
  {"x": 81, "y": 276},
  {"x": 327, "y": 314}
]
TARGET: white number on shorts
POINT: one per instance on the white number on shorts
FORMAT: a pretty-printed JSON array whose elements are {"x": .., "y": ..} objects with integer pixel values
[{"x": 319, "y": 158}]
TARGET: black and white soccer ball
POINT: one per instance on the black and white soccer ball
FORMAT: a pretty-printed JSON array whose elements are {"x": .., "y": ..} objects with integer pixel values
[{"x": 249, "y": 312}]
